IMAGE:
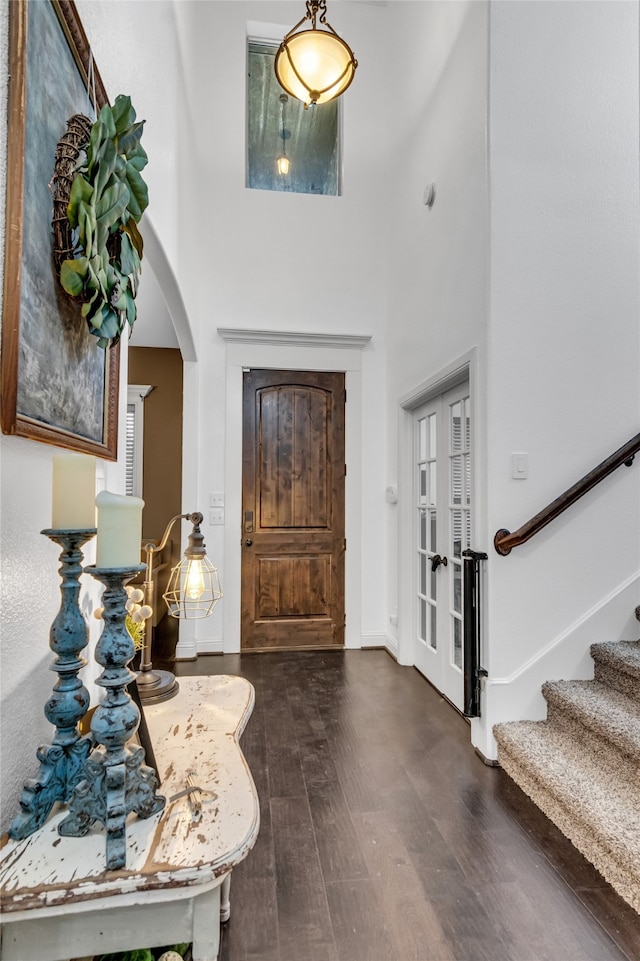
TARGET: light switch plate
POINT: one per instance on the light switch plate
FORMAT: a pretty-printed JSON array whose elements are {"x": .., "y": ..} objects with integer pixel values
[
  {"x": 216, "y": 499},
  {"x": 216, "y": 516},
  {"x": 520, "y": 466}
]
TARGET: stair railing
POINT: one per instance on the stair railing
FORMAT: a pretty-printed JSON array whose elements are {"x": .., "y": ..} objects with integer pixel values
[
  {"x": 504, "y": 541},
  {"x": 472, "y": 631}
]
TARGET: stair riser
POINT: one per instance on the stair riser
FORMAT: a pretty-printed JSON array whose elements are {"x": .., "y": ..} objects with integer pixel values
[
  {"x": 618, "y": 680},
  {"x": 596, "y": 742},
  {"x": 623, "y": 876}
]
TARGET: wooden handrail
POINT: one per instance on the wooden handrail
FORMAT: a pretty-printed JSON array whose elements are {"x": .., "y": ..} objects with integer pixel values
[{"x": 505, "y": 541}]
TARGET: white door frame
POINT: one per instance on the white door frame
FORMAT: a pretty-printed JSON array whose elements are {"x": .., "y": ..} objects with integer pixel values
[
  {"x": 284, "y": 350},
  {"x": 465, "y": 367}
]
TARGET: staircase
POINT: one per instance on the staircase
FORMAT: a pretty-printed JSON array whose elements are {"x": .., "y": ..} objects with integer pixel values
[{"x": 582, "y": 765}]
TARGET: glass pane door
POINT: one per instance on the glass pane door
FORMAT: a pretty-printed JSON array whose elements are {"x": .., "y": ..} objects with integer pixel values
[
  {"x": 426, "y": 527},
  {"x": 442, "y": 512},
  {"x": 459, "y": 513}
]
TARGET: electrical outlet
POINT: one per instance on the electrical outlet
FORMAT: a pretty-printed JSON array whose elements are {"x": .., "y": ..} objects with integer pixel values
[
  {"x": 216, "y": 516},
  {"x": 216, "y": 499}
]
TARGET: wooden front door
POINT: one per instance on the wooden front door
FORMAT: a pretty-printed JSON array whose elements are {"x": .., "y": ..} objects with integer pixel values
[{"x": 293, "y": 510}]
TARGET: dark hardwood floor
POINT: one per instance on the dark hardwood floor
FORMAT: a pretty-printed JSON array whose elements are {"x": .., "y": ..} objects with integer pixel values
[{"x": 385, "y": 838}]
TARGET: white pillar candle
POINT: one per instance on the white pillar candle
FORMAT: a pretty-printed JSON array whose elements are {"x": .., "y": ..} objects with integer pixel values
[
  {"x": 74, "y": 492},
  {"x": 119, "y": 530}
]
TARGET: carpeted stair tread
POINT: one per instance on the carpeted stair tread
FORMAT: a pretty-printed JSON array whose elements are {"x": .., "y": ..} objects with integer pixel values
[
  {"x": 582, "y": 794},
  {"x": 584, "y": 797},
  {"x": 588, "y": 786},
  {"x": 614, "y": 716},
  {"x": 623, "y": 656},
  {"x": 582, "y": 765}
]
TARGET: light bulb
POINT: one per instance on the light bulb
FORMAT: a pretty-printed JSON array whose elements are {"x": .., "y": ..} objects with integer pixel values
[
  {"x": 194, "y": 580},
  {"x": 283, "y": 165}
]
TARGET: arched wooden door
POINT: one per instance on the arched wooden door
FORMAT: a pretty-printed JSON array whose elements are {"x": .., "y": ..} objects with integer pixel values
[{"x": 293, "y": 510}]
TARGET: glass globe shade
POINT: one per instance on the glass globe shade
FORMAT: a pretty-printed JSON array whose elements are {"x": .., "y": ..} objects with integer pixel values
[{"x": 314, "y": 66}]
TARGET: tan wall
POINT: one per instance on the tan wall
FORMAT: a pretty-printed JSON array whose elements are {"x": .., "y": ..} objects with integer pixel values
[{"x": 162, "y": 464}]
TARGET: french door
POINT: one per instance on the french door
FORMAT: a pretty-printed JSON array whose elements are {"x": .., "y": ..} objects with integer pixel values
[{"x": 442, "y": 530}]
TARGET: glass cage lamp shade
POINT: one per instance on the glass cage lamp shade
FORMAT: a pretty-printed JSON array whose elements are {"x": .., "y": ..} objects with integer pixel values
[
  {"x": 282, "y": 164},
  {"x": 193, "y": 589},
  {"x": 314, "y": 66}
]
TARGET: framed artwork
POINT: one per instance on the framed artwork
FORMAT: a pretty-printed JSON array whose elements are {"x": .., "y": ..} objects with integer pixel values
[{"x": 56, "y": 384}]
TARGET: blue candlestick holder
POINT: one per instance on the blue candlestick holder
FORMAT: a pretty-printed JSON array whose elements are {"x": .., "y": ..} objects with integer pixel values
[
  {"x": 116, "y": 781},
  {"x": 61, "y": 762}
]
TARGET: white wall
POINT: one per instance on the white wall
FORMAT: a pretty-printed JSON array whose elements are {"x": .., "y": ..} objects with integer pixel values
[
  {"x": 540, "y": 274},
  {"x": 438, "y": 257},
  {"x": 276, "y": 261},
  {"x": 563, "y": 330}
]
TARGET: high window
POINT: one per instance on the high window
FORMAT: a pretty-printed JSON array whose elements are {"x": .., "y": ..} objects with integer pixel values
[{"x": 289, "y": 148}]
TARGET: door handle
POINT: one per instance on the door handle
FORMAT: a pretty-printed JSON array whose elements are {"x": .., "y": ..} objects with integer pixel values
[
  {"x": 436, "y": 561},
  {"x": 248, "y": 542}
]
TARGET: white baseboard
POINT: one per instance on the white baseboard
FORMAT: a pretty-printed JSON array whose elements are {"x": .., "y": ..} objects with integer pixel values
[
  {"x": 380, "y": 640},
  {"x": 215, "y": 645},
  {"x": 190, "y": 650}
]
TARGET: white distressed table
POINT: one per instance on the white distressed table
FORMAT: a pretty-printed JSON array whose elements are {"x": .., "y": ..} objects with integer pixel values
[{"x": 59, "y": 902}]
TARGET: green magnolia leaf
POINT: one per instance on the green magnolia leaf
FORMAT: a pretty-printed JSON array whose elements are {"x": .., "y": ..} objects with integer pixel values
[
  {"x": 114, "y": 280},
  {"x": 121, "y": 303},
  {"x": 123, "y": 113},
  {"x": 96, "y": 147},
  {"x": 131, "y": 310},
  {"x": 86, "y": 219},
  {"x": 80, "y": 191},
  {"x": 109, "y": 326},
  {"x": 102, "y": 279},
  {"x": 139, "y": 199},
  {"x": 102, "y": 236},
  {"x": 138, "y": 157},
  {"x": 96, "y": 317},
  {"x": 130, "y": 139},
  {"x": 72, "y": 275},
  {"x": 131, "y": 229},
  {"x": 94, "y": 307},
  {"x": 105, "y": 168},
  {"x": 112, "y": 204},
  {"x": 86, "y": 307},
  {"x": 106, "y": 117},
  {"x": 127, "y": 263},
  {"x": 86, "y": 228}
]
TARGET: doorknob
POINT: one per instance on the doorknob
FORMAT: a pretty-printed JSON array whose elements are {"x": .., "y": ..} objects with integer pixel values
[
  {"x": 248, "y": 542},
  {"x": 436, "y": 561}
]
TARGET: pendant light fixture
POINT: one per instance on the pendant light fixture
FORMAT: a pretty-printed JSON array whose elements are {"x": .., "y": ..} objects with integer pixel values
[
  {"x": 282, "y": 163},
  {"x": 315, "y": 65}
]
